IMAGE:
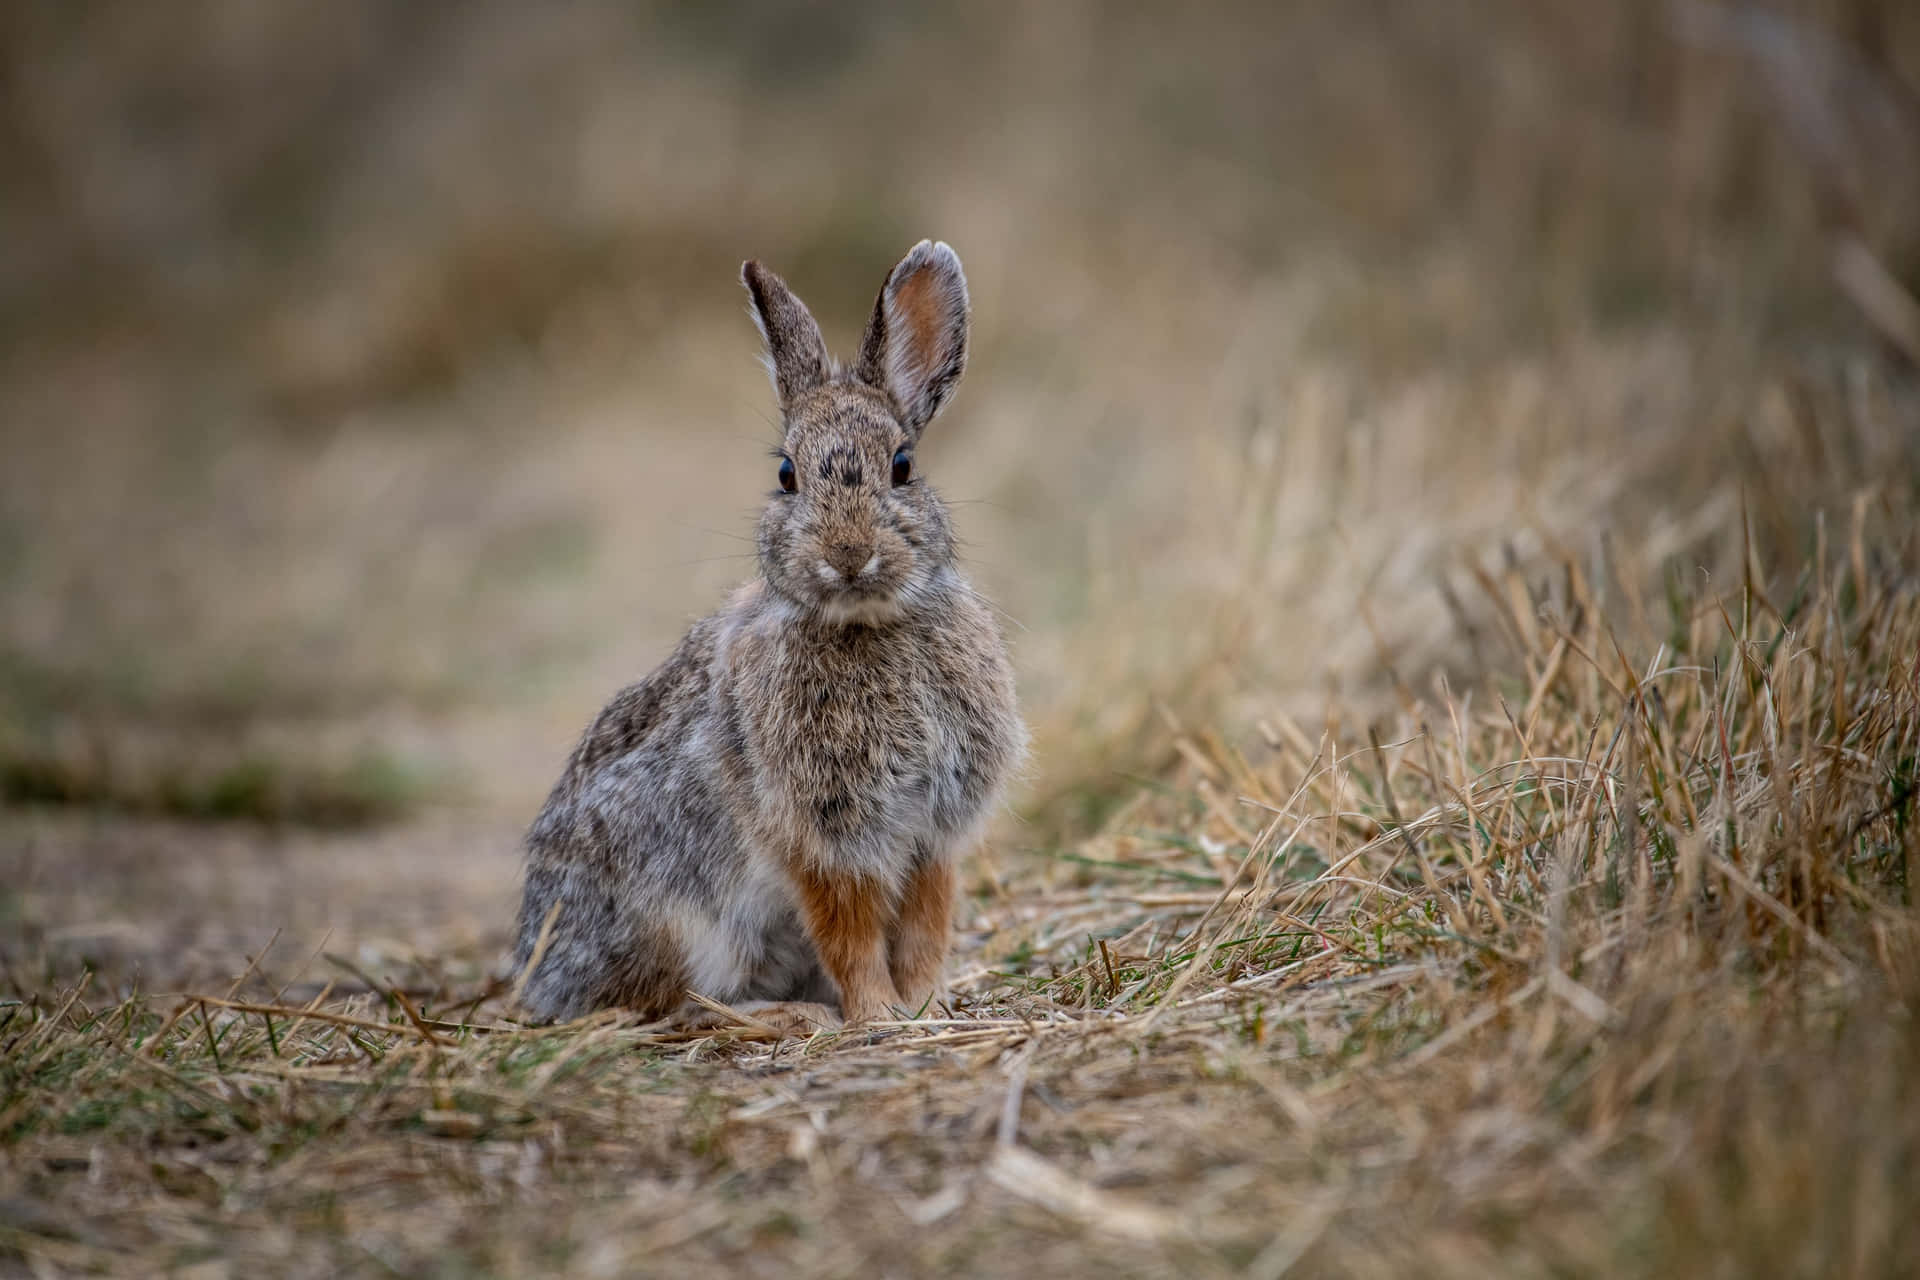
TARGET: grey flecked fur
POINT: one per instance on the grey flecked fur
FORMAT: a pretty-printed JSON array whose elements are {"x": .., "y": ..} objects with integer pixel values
[{"x": 847, "y": 719}]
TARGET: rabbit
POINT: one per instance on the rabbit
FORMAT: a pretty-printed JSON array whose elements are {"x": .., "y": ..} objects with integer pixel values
[{"x": 771, "y": 818}]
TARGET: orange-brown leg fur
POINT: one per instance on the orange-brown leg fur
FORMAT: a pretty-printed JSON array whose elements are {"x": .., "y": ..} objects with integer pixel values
[
  {"x": 917, "y": 943},
  {"x": 847, "y": 918}
]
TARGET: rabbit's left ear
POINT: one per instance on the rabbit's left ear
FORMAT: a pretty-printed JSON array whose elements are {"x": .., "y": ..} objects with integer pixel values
[{"x": 916, "y": 343}]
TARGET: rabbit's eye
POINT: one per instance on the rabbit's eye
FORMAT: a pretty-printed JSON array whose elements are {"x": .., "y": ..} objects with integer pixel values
[
  {"x": 786, "y": 475},
  {"x": 902, "y": 467}
]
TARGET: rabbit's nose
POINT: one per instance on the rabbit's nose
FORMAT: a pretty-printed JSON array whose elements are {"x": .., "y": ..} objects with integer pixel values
[{"x": 850, "y": 559}]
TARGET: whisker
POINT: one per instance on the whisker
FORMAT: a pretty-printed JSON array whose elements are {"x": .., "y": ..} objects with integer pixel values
[{"x": 718, "y": 533}]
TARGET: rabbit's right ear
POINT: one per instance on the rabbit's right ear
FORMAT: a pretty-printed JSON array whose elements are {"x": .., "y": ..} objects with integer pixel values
[{"x": 796, "y": 353}]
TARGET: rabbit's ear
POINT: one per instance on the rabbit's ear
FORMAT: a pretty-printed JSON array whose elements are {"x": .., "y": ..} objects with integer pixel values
[
  {"x": 916, "y": 343},
  {"x": 796, "y": 353}
]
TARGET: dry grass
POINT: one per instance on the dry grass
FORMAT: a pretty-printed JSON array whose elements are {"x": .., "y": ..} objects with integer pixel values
[{"x": 1451, "y": 475}]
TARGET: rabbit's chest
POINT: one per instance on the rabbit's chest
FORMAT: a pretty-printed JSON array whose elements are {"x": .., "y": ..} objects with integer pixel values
[
  {"x": 871, "y": 728},
  {"x": 875, "y": 749}
]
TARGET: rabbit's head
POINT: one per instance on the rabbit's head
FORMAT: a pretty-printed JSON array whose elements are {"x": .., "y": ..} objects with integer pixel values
[{"x": 853, "y": 534}]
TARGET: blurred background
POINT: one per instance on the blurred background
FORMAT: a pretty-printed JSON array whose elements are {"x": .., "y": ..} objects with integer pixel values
[{"x": 377, "y": 397}]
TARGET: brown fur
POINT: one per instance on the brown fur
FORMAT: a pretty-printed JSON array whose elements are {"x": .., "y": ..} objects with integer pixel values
[
  {"x": 773, "y": 814},
  {"x": 917, "y": 943},
  {"x": 847, "y": 918},
  {"x": 917, "y": 302},
  {"x": 648, "y": 975}
]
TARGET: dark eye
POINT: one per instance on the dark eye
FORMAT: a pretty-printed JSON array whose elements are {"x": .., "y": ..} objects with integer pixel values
[
  {"x": 902, "y": 467},
  {"x": 786, "y": 475}
]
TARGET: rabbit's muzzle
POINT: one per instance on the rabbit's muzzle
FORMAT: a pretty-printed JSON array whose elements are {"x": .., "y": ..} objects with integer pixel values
[{"x": 850, "y": 561}]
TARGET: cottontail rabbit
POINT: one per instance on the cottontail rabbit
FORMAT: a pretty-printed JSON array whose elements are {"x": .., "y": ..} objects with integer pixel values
[{"x": 774, "y": 813}]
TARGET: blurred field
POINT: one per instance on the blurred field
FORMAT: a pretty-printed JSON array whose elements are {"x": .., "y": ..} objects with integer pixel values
[{"x": 1525, "y": 389}]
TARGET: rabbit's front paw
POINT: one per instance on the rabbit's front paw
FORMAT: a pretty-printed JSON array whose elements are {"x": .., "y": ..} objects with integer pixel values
[
  {"x": 876, "y": 1008},
  {"x": 917, "y": 1002}
]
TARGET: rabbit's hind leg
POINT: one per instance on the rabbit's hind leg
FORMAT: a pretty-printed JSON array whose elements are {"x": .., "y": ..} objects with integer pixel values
[
  {"x": 790, "y": 1019},
  {"x": 583, "y": 969},
  {"x": 645, "y": 972}
]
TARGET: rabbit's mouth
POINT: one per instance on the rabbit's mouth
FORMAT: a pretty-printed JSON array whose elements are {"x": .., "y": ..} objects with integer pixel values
[
  {"x": 860, "y": 608},
  {"x": 856, "y": 584}
]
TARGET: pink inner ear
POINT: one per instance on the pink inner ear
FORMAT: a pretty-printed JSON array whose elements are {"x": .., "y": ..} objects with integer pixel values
[{"x": 916, "y": 305}]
